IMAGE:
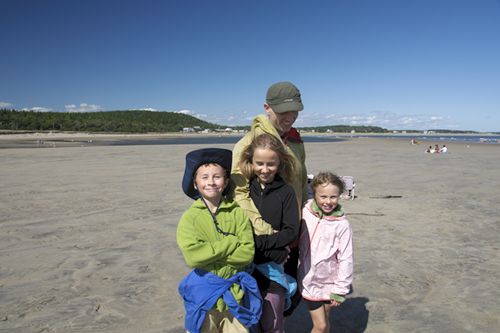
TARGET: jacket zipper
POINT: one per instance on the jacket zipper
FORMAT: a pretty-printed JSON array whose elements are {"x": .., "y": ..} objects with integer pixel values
[
  {"x": 260, "y": 198},
  {"x": 314, "y": 233}
]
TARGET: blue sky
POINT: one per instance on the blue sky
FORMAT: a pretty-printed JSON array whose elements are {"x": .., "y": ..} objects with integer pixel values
[{"x": 398, "y": 64}]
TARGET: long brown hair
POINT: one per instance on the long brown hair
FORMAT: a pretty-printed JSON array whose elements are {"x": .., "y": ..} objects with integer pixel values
[{"x": 267, "y": 141}]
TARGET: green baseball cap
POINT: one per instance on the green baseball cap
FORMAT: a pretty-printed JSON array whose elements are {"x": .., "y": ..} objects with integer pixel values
[{"x": 284, "y": 97}]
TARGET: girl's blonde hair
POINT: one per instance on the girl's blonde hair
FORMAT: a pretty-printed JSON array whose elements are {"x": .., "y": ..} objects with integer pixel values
[
  {"x": 327, "y": 177},
  {"x": 267, "y": 141}
]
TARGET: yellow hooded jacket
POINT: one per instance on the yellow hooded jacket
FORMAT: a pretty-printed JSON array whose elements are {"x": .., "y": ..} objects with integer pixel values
[{"x": 260, "y": 125}]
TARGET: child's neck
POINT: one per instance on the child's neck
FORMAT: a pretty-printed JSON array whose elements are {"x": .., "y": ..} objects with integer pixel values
[
  {"x": 212, "y": 203},
  {"x": 337, "y": 211},
  {"x": 263, "y": 185}
]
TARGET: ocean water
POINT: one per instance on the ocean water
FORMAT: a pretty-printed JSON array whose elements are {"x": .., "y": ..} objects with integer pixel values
[
  {"x": 231, "y": 139},
  {"x": 210, "y": 140},
  {"x": 486, "y": 139}
]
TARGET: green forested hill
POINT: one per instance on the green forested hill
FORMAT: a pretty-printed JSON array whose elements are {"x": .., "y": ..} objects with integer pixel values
[
  {"x": 139, "y": 121},
  {"x": 109, "y": 121}
]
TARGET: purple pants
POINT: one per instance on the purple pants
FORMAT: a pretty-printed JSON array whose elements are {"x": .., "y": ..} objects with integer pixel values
[{"x": 272, "y": 319}]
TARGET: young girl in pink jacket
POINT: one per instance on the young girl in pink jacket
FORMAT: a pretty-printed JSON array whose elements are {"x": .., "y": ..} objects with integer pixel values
[{"x": 325, "y": 243}]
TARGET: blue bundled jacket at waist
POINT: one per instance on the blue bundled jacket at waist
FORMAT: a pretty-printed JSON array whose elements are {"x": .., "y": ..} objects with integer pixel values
[{"x": 201, "y": 289}]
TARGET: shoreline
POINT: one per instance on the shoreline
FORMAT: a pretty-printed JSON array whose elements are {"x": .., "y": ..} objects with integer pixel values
[
  {"x": 88, "y": 139},
  {"x": 48, "y": 135},
  {"x": 75, "y": 139}
]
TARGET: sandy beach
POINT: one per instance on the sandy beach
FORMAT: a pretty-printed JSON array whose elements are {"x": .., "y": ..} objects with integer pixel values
[{"x": 88, "y": 237}]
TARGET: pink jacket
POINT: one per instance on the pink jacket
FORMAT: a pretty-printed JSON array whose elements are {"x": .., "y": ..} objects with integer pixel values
[{"x": 326, "y": 256}]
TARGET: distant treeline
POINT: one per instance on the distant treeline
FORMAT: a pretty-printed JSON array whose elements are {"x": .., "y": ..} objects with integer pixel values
[
  {"x": 140, "y": 121},
  {"x": 109, "y": 121},
  {"x": 131, "y": 122},
  {"x": 345, "y": 129}
]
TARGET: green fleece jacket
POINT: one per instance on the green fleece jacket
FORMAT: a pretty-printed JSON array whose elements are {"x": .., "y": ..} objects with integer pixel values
[
  {"x": 204, "y": 247},
  {"x": 261, "y": 124}
]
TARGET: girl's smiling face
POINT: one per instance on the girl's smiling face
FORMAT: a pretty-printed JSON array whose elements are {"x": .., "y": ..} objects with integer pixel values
[
  {"x": 327, "y": 197},
  {"x": 265, "y": 163}
]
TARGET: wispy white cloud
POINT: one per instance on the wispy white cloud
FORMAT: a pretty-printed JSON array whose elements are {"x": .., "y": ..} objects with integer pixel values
[
  {"x": 186, "y": 112},
  {"x": 83, "y": 107},
  {"x": 242, "y": 118},
  {"x": 147, "y": 109},
  {"x": 200, "y": 116},
  {"x": 388, "y": 120},
  {"x": 37, "y": 109},
  {"x": 5, "y": 105}
]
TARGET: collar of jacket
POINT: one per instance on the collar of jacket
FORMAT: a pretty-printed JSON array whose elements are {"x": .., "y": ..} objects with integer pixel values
[
  {"x": 292, "y": 135},
  {"x": 276, "y": 183},
  {"x": 337, "y": 212},
  {"x": 225, "y": 204},
  {"x": 262, "y": 124}
]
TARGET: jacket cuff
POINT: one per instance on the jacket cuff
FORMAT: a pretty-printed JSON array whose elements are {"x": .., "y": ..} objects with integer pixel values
[{"x": 337, "y": 298}]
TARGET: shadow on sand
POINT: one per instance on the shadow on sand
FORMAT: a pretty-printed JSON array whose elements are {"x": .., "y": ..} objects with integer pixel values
[{"x": 351, "y": 317}]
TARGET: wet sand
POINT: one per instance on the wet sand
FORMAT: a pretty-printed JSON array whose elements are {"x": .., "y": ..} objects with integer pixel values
[{"x": 88, "y": 237}]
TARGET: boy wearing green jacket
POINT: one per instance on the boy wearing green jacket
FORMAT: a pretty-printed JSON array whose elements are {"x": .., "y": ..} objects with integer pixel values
[{"x": 215, "y": 234}]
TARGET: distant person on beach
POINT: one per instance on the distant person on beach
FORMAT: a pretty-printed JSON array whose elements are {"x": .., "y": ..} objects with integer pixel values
[
  {"x": 326, "y": 251},
  {"x": 429, "y": 150},
  {"x": 444, "y": 149},
  {"x": 436, "y": 149},
  {"x": 268, "y": 167},
  {"x": 282, "y": 106},
  {"x": 216, "y": 239}
]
